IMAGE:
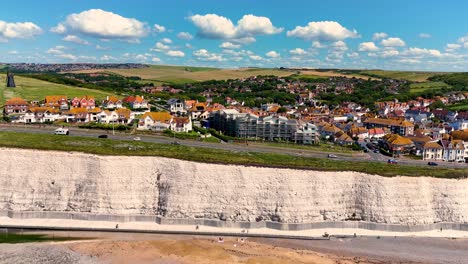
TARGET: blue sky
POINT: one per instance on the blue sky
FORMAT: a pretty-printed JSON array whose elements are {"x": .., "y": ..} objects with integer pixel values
[{"x": 397, "y": 34}]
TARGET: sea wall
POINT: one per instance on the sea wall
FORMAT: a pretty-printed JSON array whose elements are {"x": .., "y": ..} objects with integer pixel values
[{"x": 64, "y": 183}]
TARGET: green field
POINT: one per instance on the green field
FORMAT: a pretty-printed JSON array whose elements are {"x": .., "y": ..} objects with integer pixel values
[
  {"x": 424, "y": 86},
  {"x": 208, "y": 155},
  {"x": 182, "y": 74},
  {"x": 34, "y": 89},
  {"x": 404, "y": 75}
]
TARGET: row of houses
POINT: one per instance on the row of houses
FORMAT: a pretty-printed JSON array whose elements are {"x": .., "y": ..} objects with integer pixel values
[{"x": 62, "y": 103}]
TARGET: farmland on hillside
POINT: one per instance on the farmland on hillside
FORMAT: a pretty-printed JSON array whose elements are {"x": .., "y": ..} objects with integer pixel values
[
  {"x": 424, "y": 86},
  {"x": 181, "y": 74},
  {"x": 404, "y": 75},
  {"x": 34, "y": 89}
]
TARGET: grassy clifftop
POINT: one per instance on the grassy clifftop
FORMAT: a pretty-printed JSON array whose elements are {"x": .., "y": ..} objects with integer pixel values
[{"x": 207, "y": 155}]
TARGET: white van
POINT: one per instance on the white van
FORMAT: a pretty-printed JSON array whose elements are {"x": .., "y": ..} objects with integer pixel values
[{"x": 61, "y": 131}]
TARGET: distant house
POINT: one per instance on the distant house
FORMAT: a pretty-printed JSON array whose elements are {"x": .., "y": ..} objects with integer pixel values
[
  {"x": 400, "y": 127},
  {"x": 197, "y": 109},
  {"x": 136, "y": 102},
  {"x": 77, "y": 115},
  {"x": 86, "y": 101},
  {"x": 39, "y": 115},
  {"x": 181, "y": 124},
  {"x": 358, "y": 132},
  {"x": 56, "y": 101},
  {"x": 155, "y": 121},
  {"x": 397, "y": 144},
  {"x": 111, "y": 102},
  {"x": 445, "y": 150},
  {"x": 376, "y": 133},
  {"x": 343, "y": 139},
  {"x": 15, "y": 105},
  {"x": 93, "y": 114},
  {"x": 123, "y": 115},
  {"x": 177, "y": 106}
]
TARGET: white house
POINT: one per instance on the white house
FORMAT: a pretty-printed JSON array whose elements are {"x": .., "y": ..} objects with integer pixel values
[
  {"x": 181, "y": 124},
  {"x": 155, "y": 121}
]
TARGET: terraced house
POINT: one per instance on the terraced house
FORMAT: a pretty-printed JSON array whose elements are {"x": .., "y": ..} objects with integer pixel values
[
  {"x": 39, "y": 115},
  {"x": 400, "y": 127},
  {"x": 444, "y": 150}
]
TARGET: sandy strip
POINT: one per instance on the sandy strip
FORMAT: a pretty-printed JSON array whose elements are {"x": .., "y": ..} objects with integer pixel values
[{"x": 139, "y": 226}]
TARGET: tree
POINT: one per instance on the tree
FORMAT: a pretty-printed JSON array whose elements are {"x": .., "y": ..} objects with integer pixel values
[
  {"x": 282, "y": 110},
  {"x": 437, "y": 104}
]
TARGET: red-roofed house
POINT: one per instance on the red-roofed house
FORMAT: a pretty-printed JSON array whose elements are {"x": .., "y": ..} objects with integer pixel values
[
  {"x": 136, "y": 102},
  {"x": 86, "y": 101}
]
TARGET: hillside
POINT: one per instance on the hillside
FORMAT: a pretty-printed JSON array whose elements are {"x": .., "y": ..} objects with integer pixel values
[
  {"x": 181, "y": 74},
  {"x": 34, "y": 89},
  {"x": 414, "y": 76}
]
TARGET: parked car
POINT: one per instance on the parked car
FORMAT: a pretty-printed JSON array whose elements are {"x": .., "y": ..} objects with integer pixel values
[
  {"x": 61, "y": 131},
  {"x": 102, "y": 136},
  {"x": 431, "y": 163},
  {"x": 175, "y": 143},
  {"x": 332, "y": 156},
  {"x": 392, "y": 161},
  {"x": 137, "y": 138},
  {"x": 376, "y": 151}
]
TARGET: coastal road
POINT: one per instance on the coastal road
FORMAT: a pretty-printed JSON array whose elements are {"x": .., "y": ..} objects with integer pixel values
[{"x": 236, "y": 147}]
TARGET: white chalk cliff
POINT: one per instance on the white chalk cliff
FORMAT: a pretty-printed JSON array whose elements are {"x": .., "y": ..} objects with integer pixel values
[{"x": 32, "y": 180}]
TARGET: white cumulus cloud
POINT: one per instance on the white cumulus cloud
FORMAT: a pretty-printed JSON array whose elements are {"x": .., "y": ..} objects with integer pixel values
[
  {"x": 158, "y": 28},
  {"x": 19, "y": 30},
  {"x": 229, "y": 45},
  {"x": 463, "y": 41},
  {"x": 255, "y": 57},
  {"x": 167, "y": 40},
  {"x": 214, "y": 26},
  {"x": 368, "y": 46},
  {"x": 379, "y": 35},
  {"x": 322, "y": 31},
  {"x": 102, "y": 24},
  {"x": 175, "y": 53},
  {"x": 419, "y": 52},
  {"x": 298, "y": 51},
  {"x": 185, "y": 36},
  {"x": 75, "y": 39},
  {"x": 451, "y": 47},
  {"x": 393, "y": 42},
  {"x": 205, "y": 55},
  {"x": 273, "y": 54}
]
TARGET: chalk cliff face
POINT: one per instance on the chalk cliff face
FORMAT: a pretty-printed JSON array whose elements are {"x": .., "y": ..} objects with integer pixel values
[{"x": 60, "y": 181}]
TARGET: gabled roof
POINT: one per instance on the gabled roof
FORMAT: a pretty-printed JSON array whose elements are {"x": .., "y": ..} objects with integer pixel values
[
  {"x": 95, "y": 110},
  {"x": 123, "y": 112},
  {"x": 460, "y": 135},
  {"x": 396, "y": 139},
  {"x": 180, "y": 121},
  {"x": 16, "y": 101},
  {"x": 199, "y": 106},
  {"x": 433, "y": 145},
  {"x": 77, "y": 111},
  {"x": 54, "y": 98},
  {"x": 162, "y": 117},
  {"x": 43, "y": 109}
]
